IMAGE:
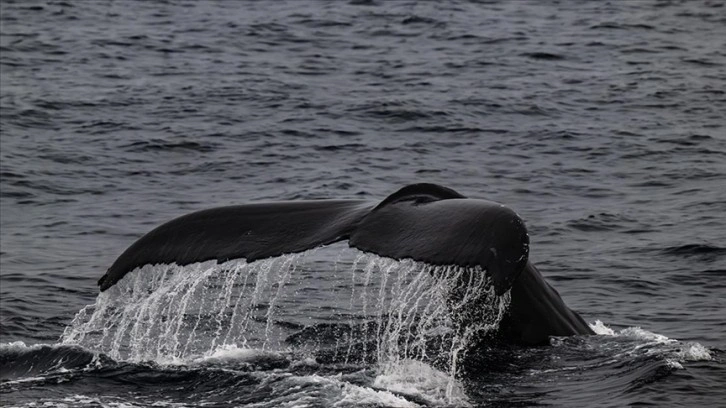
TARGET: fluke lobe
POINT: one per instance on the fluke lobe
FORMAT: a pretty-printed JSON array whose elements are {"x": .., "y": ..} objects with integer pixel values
[{"x": 425, "y": 222}]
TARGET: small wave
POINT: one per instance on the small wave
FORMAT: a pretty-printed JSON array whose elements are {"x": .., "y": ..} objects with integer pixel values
[
  {"x": 350, "y": 395},
  {"x": 621, "y": 26},
  {"x": 243, "y": 358},
  {"x": 421, "y": 382},
  {"x": 81, "y": 400},
  {"x": 231, "y": 352},
  {"x": 640, "y": 334},
  {"x": 695, "y": 249},
  {"x": 354, "y": 395},
  {"x": 676, "y": 350},
  {"x": 349, "y": 147},
  {"x": 692, "y": 140},
  {"x": 702, "y": 62},
  {"x": 408, "y": 384},
  {"x": 546, "y": 56},
  {"x": 420, "y": 20},
  {"x": 601, "y": 222},
  {"x": 162, "y": 145},
  {"x": 633, "y": 332},
  {"x": 21, "y": 361}
]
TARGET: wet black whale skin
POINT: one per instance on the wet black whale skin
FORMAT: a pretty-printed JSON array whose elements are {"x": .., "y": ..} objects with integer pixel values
[{"x": 424, "y": 222}]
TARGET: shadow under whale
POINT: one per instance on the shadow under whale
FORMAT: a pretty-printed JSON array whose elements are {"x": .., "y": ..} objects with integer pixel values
[{"x": 425, "y": 222}]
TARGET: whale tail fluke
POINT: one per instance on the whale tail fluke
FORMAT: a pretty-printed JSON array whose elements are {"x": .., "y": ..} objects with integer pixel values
[{"x": 424, "y": 222}]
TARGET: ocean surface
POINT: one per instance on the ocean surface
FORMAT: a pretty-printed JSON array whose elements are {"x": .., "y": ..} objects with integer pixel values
[{"x": 603, "y": 124}]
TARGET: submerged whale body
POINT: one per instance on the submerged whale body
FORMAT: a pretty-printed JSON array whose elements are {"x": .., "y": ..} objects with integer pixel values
[{"x": 425, "y": 222}]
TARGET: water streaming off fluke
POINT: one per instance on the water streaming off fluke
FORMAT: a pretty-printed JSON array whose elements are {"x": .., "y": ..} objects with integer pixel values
[{"x": 384, "y": 311}]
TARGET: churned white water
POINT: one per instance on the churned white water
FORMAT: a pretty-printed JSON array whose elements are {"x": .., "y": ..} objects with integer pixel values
[{"x": 677, "y": 352}]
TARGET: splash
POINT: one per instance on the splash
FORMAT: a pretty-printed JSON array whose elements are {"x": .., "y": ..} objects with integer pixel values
[
  {"x": 417, "y": 302},
  {"x": 386, "y": 311},
  {"x": 168, "y": 313}
]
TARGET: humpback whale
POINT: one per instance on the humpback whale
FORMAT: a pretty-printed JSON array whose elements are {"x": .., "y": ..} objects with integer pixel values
[{"x": 425, "y": 222}]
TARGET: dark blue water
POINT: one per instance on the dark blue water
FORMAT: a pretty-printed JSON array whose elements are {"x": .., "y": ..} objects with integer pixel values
[{"x": 602, "y": 124}]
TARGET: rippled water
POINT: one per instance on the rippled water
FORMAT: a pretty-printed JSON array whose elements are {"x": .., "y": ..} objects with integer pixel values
[{"x": 601, "y": 124}]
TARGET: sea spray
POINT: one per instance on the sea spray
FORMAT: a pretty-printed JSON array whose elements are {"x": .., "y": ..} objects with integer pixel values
[
  {"x": 169, "y": 313},
  {"x": 418, "y": 301},
  {"x": 391, "y": 312}
]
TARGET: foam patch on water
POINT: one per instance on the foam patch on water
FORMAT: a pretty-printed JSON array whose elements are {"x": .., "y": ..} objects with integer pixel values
[
  {"x": 413, "y": 384},
  {"x": 631, "y": 332},
  {"x": 233, "y": 353},
  {"x": 414, "y": 378},
  {"x": 639, "y": 334},
  {"x": 331, "y": 391},
  {"x": 24, "y": 380},
  {"x": 356, "y": 396},
  {"x": 599, "y": 328},
  {"x": 674, "y": 364},
  {"x": 694, "y": 352},
  {"x": 681, "y": 352},
  {"x": 19, "y": 346},
  {"x": 232, "y": 356}
]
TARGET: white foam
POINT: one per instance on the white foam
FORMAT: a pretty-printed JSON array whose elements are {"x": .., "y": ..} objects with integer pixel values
[
  {"x": 680, "y": 352},
  {"x": 415, "y": 378},
  {"x": 24, "y": 380},
  {"x": 315, "y": 390},
  {"x": 694, "y": 352},
  {"x": 632, "y": 332},
  {"x": 639, "y": 334},
  {"x": 599, "y": 328},
  {"x": 20, "y": 346},
  {"x": 233, "y": 353},
  {"x": 79, "y": 400},
  {"x": 305, "y": 362},
  {"x": 356, "y": 396},
  {"x": 674, "y": 364}
]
